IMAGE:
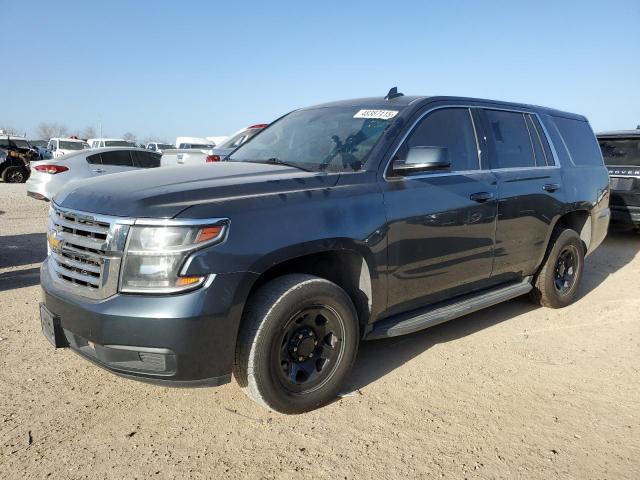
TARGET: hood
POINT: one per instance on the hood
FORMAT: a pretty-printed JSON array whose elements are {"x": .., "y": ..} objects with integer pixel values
[{"x": 165, "y": 192}]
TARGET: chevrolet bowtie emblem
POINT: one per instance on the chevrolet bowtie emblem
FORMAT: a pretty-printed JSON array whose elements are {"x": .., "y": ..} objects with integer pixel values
[{"x": 54, "y": 243}]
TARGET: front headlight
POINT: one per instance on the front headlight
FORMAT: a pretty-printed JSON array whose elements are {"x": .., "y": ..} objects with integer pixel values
[{"x": 155, "y": 254}]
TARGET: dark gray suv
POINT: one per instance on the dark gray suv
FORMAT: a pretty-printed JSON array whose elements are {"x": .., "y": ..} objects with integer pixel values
[{"x": 348, "y": 221}]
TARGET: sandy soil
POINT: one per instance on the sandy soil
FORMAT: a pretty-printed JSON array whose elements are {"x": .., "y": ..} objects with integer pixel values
[{"x": 514, "y": 391}]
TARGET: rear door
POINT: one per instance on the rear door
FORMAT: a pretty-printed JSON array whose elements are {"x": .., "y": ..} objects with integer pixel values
[
  {"x": 440, "y": 224},
  {"x": 145, "y": 159},
  {"x": 530, "y": 189},
  {"x": 114, "y": 161}
]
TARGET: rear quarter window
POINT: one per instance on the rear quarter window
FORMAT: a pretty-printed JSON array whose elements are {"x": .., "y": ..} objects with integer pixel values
[{"x": 580, "y": 142}]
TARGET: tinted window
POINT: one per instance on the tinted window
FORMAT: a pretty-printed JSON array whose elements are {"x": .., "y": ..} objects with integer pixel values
[
  {"x": 539, "y": 132},
  {"x": 541, "y": 160},
  {"x": 94, "y": 159},
  {"x": 621, "y": 152},
  {"x": 580, "y": 141},
  {"x": 511, "y": 140},
  {"x": 450, "y": 128},
  {"x": 146, "y": 159},
  {"x": 120, "y": 158}
]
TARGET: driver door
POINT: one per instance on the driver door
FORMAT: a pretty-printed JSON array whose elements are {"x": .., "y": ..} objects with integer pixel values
[{"x": 441, "y": 223}]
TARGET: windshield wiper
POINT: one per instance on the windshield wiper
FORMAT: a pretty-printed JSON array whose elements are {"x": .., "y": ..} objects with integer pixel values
[{"x": 274, "y": 161}]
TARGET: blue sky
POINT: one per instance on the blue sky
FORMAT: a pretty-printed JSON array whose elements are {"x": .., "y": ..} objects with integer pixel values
[{"x": 208, "y": 68}]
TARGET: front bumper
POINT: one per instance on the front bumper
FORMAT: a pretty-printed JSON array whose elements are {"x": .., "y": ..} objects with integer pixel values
[
  {"x": 177, "y": 340},
  {"x": 628, "y": 215}
]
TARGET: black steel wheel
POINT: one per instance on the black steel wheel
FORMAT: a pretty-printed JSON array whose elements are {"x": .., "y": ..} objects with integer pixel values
[
  {"x": 565, "y": 269},
  {"x": 310, "y": 348},
  {"x": 557, "y": 282},
  {"x": 298, "y": 340}
]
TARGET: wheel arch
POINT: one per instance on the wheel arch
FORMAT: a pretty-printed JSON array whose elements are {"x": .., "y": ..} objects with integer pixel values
[
  {"x": 346, "y": 267},
  {"x": 580, "y": 222}
]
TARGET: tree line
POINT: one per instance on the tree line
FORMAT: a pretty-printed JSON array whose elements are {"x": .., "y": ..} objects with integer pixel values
[{"x": 47, "y": 130}]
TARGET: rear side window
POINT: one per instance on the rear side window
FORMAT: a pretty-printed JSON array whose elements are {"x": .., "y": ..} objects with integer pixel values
[
  {"x": 580, "y": 141},
  {"x": 450, "y": 128},
  {"x": 540, "y": 157},
  {"x": 511, "y": 139},
  {"x": 540, "y": 134},
  {"x": 621, "y": 152},
  {"x": 94, "y": 159},
  {"x": 121, "y": 158},
  {"x": 146, "y": 159}
]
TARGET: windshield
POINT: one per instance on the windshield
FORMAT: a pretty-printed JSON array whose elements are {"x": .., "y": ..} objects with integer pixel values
[
  {"x": 621, "y": 152},
  {"x": 165, "y": 146},
  {"x": 335, "y": 138},
  {"x": 13, "y": 142},
  {"x": 71, "y": 145},
  {"x": 38, "y": 143},
  {"x": 117, "y": 143}
]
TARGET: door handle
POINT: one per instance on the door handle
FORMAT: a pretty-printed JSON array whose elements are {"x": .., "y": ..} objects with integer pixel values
[
  {"x": 551, "y": 187},
  {"x": 481, "y": 197},
  {"x": 99, "y": 170}
]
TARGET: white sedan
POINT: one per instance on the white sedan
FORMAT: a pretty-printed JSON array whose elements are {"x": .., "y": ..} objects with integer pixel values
[{"x": 49, "y": 176}]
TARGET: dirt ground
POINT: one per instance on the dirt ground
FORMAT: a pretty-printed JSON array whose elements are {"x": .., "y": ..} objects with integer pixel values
[{"x": 515, "y": 391}]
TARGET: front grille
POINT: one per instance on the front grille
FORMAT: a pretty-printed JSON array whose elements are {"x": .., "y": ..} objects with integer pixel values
[{"x": 85, "y": 251}]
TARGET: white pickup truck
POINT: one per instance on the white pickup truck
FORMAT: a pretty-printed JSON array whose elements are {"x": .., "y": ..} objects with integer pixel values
[{"x": 190, "y": 151}]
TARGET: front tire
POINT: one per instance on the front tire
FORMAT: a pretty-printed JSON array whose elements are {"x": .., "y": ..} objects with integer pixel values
[
  {"x": 558, "y": 280},
  {"x": 297, "y": 343}
]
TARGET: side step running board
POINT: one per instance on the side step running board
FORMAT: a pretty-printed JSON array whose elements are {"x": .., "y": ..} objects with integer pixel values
[{"x": 420, "y": 319}]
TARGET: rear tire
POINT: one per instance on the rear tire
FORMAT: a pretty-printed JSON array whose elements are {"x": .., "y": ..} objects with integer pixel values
[
  {"x": 297, "y": 343},
  {"x": 558, "y": 280},
  {"x": 15, "y": 175}
]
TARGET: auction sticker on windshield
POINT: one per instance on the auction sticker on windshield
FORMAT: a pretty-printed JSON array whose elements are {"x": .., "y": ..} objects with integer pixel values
[{"x": 379, "y": 114}]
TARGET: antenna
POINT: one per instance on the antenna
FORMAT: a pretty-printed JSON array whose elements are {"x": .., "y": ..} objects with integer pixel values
[{"x": 393, "y": 93}]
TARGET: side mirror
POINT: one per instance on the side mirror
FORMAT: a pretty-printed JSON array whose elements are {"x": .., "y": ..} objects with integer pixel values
[{"x": 422, "y": 159}]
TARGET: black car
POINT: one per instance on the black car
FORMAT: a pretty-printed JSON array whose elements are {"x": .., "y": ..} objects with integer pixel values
[
  {"x": 348, "y": 221},
  {"x": 621, "y": 152}
]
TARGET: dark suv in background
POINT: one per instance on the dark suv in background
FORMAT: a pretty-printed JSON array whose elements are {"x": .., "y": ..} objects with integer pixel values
[
  {"x": 621, "y": 152},
  {"x": 353, "y": 220}
]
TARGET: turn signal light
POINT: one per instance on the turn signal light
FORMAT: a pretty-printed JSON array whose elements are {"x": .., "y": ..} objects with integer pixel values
[
  {"x": 184, "y": 281},
  {"x": 212, "y": 158},
  {"x": 52, "y": 169},
  {"x": 208, "y": 233}
]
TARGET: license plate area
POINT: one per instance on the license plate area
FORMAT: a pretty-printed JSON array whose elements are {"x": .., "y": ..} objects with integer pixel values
[
  {"x": 621, "y": 184},
  {"x": 51, "y": 328}
]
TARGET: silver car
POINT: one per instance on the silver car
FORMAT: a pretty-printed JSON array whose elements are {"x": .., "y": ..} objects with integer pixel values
[{"x": 49, "y": 176}]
